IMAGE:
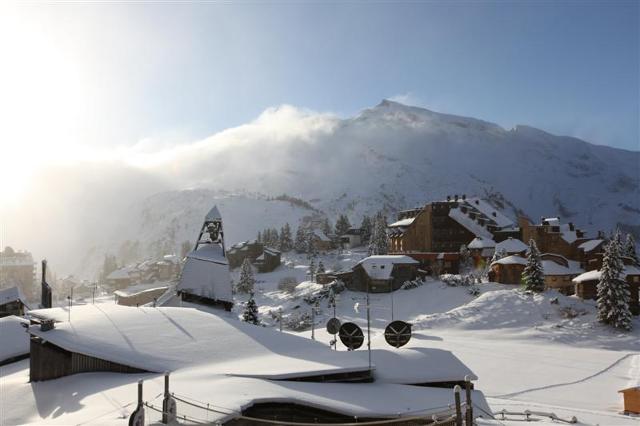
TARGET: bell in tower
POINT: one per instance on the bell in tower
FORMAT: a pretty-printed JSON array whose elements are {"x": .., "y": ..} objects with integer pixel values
[{"x": 205, "y": 277}]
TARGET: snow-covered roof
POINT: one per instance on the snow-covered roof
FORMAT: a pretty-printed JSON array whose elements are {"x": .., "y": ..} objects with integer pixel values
[
  {"x": 206, "y": 273},
  {"x": 471, "y": 225},
  {"x": 553, "y": 268},
  {"x": 511, "y": 245},
  {"x": 11, "y": 294},
  {"x": 119, "y": 274},
  {"x": 360, "y": 400},
  {"x": 380, "y": 267},
  {"x": 595, "y": 274},
  {"x": 402, "y": 222},
  {"x": 213, "y": 215},
  {"x": 511, "y": 260},
  {"x": 321, "y": 235},
  {"x": 590, "y": 245},
  {"x": 587, "y": 276},
  {"x": 141, "y": 288},
  {"x": 166, "y": 339},
  {"x": 407, "y": 366},
  {"x": 15, "y": 341},
  {"x": 480, "y": 243},
  {"x": 490, "y": 211}
]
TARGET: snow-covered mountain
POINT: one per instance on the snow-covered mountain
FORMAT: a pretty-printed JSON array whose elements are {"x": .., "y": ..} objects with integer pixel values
[{"x": 390, "y": 156}]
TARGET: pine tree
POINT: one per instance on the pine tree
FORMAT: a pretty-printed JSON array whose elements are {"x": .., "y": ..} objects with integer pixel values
[
  {"x": 311, "y": 244},
  {"x": 342, "y": 225},
  {"x": 300, "y": 244},
  {"x": 533, "y": 274},
  {"x": 320, "y": 269},
  {"x": 367, "y": 228},
  {"x": 286, "y": 243},
  {"x": 630, "y": 248},
  {"x": 250, "y": 313},
  {"x": 247, "y": 281},
  {"x": 378, "y": 245},
  {"x": 312, "y": 269},
  {"x": 497, "y": 255},
  {"x": 613, "y": 289},
  {"x": 326, "y": 227},
  {"x": 259, "y": 239}
]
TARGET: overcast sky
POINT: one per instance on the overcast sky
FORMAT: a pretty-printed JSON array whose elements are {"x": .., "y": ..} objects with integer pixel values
[{"x": 111, "y": 75}]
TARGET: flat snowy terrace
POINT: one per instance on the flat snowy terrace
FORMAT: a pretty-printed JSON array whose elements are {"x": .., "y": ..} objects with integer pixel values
[{"x": 167, "y": 339}]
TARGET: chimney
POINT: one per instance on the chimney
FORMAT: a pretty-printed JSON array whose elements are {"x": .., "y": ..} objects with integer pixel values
[
  {"x": 448, "y": 197},
  {"x": 45, "y": 299},
  {"x": 455, "y": 197},
  {"x": 464, "y": 197}
]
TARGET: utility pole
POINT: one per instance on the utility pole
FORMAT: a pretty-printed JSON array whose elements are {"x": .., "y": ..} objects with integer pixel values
[{"x": 368, "y": 327}]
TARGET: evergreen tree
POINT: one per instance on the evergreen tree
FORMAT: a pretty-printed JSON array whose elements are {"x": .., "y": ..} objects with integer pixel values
[
  {"x": 378, "y": 245},
  {"x": 259, "y": 238},
  {"x": 367, "y": 228},
  {"x": 533, "y": 274},
  {"x": 300, "y": 244},
  {"x": 326, "y": 227},
  {"x": 247, "y": 281},
  {"x": 613, "y": 289},
  {"x": 466, "y": 261},
  {"x": 312, "y": 269},
  {"x": 250, "y": 313},
  {"x": 342, "y": 225},
  {"x": 630, "y": 248},
  {"x": 497, "y": 255},
  {"x": 320, "y": 269},
  {"x": 286, "y": 242},
  {"x": 311, "y": 243}
]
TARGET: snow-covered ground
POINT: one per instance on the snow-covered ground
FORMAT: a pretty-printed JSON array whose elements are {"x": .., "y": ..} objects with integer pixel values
[{"x": 542, "y": 352}]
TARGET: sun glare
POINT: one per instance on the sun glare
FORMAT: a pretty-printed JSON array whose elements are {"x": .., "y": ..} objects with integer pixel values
[{"x": 42, "y": 103}]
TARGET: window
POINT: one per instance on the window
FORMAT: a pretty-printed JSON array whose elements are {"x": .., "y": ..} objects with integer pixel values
[{"x": 381, "y": 266}]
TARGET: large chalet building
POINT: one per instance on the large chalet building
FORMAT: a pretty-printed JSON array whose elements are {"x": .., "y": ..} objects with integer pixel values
[{"x": 433, "y": 234}]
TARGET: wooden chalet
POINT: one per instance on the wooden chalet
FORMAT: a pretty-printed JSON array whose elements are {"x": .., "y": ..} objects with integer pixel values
[
  {"x": 382, "y": 274},
  {"x": 12, "y": 302},
  {"x": 268, "y": 260},
  {"x": 559, "y": 271},
  {"x": 440, "y": 228},
  {"x": 352, "y": 238},
  {"x": 237, "y": 253},
  {"x": 586, "y": 285},
  {"x": 508, "y": 270},
  {"x": 553, "y": 236}
]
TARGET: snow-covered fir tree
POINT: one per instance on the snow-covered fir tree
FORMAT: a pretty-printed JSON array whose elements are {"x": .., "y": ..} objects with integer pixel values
[
  {"x": 497, "y": 255},
  {"x": 378, "y": 245},
  {"x": 285, "y": 243},
  {"x": 246, "y": 281},
  {"x": 613, "y": 289},
  {"x": 311, "y": 244},
  {"x": 312, "y": 268},
  {"x": 320, "y": 269},
  {"x": 366, "y": 227},
  {"x": 300, "y": 243},
  {"x": 533, "y": 274},
  {"x": 630, "y": 248},
  {"x": 326, "y": 227},
  {"x": 250, "y": 313},
  {"x": 342, "y": 224},
  {"x": 259, "y": 237}
]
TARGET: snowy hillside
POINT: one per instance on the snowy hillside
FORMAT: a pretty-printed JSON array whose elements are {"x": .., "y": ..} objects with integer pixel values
[{"x": 390, "y": 156}]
